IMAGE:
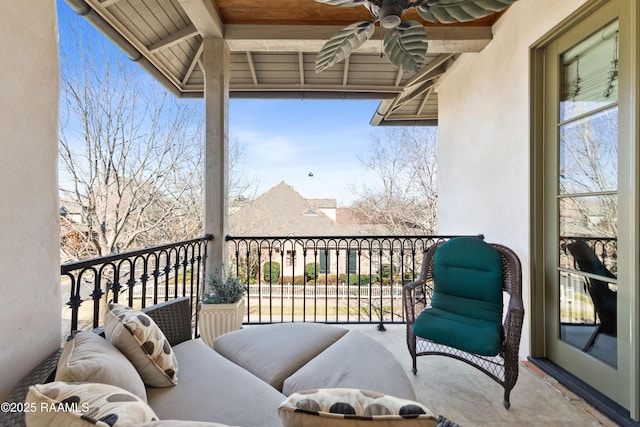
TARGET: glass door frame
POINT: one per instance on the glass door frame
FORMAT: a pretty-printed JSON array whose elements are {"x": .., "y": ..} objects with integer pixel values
[{"x": 625, "y": 388}]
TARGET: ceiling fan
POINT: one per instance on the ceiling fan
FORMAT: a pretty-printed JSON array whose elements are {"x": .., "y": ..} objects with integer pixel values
[{"x": 405, "y": 43}]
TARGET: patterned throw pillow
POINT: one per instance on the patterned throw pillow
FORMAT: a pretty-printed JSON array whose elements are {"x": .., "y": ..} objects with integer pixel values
[
  {"x": 89, "y": 358},
  {"x": 138, "y": 337},
  {"x": 353, "y": 408},
  {"x": 84, "y": 405}
]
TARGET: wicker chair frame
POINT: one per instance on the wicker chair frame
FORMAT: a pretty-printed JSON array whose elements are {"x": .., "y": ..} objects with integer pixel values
[
  {"x": 502, "y": 368},
  {"x": 173, "y": 317}
]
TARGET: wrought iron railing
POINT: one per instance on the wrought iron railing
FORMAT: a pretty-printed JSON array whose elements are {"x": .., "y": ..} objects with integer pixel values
[
  {"x": 576, "y": 304},
  {"x": 341, "y": 279},
  {"x": 137, "y": 278}
]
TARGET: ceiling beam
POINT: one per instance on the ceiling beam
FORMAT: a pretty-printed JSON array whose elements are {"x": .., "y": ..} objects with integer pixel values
[
  {"x": 175, "y": 38},
  {"x": 301, "y": 66},
  {"x": 204, "y": 17},
  {"x": 306, "y": 38},
  {"x": 345, "y": 72},
  {"x": 107, "y": 3},
  {"x": 192, "y": 65},
  {"x": 383, "y": 91},
  {"x": 252, "y": 68},
  {"x": 424, "y": 101}
]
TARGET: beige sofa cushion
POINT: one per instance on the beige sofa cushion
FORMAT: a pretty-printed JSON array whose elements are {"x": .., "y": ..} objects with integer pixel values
[
  {"x": 352, "y": 408},
  {"x": 87, "y": 357},
  {"x": 84, "y": 405},
  {"x": 344, "y": 365},
  {"x": 214, "y": 389},
  {"x": 175, "y": 423},
  {"x": 138, "y": 337},
  {"x": 274, "y": 352}
]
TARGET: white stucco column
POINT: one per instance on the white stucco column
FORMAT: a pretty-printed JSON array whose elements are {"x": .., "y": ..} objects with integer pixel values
[
  {"x": 215, "y": 61},
  {"x": 29, "y": 219}
]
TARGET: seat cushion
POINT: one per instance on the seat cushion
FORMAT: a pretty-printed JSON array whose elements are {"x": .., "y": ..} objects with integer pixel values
[
  {"x": 354, "y": 361},
  {"x": 274, "y": 352},
  {"x": 214, "y": 389},
  {"x": 464, "y": 333}
]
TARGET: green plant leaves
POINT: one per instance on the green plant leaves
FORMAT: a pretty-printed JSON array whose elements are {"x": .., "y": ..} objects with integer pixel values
[
  {"x": 341, "y": 44},
  {"x": 451, "y": 11},
  {"x": 406, "y": 46},
  {"x": 222, "y": 290}
]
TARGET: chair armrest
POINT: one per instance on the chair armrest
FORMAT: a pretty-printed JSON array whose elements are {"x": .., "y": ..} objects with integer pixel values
[
  {"x": 513, "y": 321},
  {"x": 43, "y": 373},
  {"x": 173, "y": 317},
  {"x": 409, "y": 299}
]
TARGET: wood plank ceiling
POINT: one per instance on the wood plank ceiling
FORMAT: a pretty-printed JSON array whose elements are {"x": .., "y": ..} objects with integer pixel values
[{"x": 273, "y": 48}]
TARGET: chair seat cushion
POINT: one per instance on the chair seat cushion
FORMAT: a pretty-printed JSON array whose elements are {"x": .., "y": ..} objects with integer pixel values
[{"x": 465, "y": 333}]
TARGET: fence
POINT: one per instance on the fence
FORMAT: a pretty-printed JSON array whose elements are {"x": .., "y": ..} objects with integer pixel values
[
  {"x": 338, "y": 279},
  {"x": 147, "y": 276}
]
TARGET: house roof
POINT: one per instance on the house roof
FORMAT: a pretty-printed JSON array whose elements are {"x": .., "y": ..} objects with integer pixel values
[
  {"x": 273, "y": 48},
  {"x": 282, "y": 211}
]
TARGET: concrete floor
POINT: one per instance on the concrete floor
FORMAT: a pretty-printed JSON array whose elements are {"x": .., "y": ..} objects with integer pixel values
[{"x": 464, "y": 395}]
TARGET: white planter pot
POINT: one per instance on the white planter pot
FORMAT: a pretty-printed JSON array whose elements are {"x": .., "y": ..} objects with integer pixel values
[{"x": 218, "y": 319}]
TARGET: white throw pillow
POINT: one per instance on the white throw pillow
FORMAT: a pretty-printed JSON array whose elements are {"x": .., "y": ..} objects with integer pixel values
[
  {"x": 352, "y": 408},
  {"x": 89, "y": 358},
  {"x": 138, "y": 337},
  {"x": 84, "y": 405}
]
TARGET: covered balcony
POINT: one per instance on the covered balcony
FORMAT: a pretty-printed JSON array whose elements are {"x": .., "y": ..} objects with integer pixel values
[
  {"x": 482, "y": 83},
  {"x": 359, "y": 286}
]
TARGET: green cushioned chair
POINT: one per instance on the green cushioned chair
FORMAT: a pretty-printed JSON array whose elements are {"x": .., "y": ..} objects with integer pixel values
[{"x": 455, "y": 308}]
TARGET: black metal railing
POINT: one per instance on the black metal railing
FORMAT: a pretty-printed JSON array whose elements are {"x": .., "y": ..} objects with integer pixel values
[
  {"x": 340, "y": 279},
  {"x": 137, "y": 278}
]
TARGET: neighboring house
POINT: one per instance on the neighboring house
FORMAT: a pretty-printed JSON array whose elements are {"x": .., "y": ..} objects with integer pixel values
[
  {"x": 74, "y": 233},
  {"x": 282, "y": 211},
  {"x": 71, "y": 211}
]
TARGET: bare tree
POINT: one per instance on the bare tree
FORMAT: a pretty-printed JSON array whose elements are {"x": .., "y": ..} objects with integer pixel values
[
  {"x": 242, "y": 186},
  {"x": 130, "y": 155},
  {"x": 403, "y": 198},
  {"x": 589, "y": 176}
]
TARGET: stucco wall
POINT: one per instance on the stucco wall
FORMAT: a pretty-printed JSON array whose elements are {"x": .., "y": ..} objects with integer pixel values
[
  {"x": 484, "y": 135},
  {"x": 29, "y": 239}
]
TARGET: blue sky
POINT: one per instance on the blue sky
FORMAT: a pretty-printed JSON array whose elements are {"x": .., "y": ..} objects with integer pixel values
[{"x": 285, "y": 140}]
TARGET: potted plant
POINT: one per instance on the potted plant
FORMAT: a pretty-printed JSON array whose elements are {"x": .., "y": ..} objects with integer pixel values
[{"x": 222, "y": 308}]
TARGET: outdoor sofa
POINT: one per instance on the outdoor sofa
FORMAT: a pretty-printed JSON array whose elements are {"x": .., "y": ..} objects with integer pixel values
[{"x": 298, "y": 374}]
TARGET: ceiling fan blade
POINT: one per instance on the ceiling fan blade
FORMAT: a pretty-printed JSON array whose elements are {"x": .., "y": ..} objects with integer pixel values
[
  {"x": 452, "y": 11},
  {"x": 341, "y": 44},
  {"x": 347, "y": 3},
  {"x": 406, "y": 46}
]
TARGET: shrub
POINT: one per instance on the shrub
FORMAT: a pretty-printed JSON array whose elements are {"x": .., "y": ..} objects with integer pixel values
[
  {"x": 311, "y": 271},
  {"x": 297, "y": 280},
  {"x": 327, "y": 279},
  {"x": 271, "y": 271},
  {"x": 386, "y": 270}
]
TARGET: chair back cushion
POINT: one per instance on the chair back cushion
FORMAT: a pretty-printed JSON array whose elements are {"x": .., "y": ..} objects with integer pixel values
[
  {"x": 466, "y": 308},
  {"x": 468, "y": 279}
]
